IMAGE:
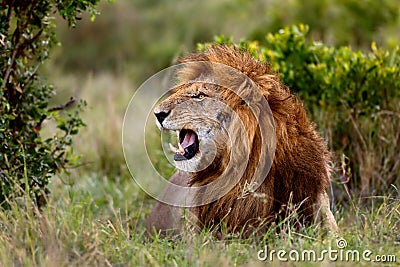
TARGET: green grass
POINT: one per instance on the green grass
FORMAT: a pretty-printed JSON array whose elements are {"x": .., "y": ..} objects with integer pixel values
[{"x": 96, "y": 215}]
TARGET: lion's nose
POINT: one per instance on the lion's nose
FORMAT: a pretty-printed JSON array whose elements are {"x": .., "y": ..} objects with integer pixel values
[{"x": 161, "y": 116}]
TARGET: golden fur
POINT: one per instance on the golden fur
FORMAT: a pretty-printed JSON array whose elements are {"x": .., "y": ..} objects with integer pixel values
[{"x": 299, "y": 174}]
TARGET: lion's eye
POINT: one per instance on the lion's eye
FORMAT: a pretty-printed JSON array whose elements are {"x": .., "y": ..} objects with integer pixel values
[{"x": 200, "y": 95}]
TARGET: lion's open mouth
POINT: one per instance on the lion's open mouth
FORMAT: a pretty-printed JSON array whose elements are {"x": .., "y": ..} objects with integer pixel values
[{"x": 188, "y": 145}]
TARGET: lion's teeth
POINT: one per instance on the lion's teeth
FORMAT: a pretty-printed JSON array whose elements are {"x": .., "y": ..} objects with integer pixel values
[
  {"x": 181, "y": 149},
  {"x": 178, "y": 149}
]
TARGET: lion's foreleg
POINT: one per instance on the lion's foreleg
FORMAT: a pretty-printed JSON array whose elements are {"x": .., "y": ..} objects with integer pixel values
[
  {"x": 324, "y": 213},
  {"x": 169, "y": 220}
]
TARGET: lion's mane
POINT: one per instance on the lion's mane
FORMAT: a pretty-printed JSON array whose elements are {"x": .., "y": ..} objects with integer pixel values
[{"x": 300, "y": 169}]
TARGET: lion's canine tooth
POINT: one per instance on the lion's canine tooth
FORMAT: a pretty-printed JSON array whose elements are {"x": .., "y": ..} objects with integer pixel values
[
  {"x": 177, "y": 150},
  {"x": 181, "y": 149}
]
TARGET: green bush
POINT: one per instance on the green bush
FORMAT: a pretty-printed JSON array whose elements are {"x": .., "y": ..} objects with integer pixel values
[
  {"x": 353, "y": 96},
  {"x": 27, "y": 162}
]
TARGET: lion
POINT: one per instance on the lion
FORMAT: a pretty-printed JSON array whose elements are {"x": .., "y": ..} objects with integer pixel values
[{"x": 299, "y": 173}]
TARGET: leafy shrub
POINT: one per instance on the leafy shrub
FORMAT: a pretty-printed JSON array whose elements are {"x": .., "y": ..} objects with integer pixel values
[
  {"x": 27, "y": 162},
  {"x": 353, "y": 96}
]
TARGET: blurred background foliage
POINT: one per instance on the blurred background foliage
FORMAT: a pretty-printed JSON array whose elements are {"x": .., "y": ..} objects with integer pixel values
[
  {"x": 104, "y": 62},
  {"x": 142, "y": 36}
]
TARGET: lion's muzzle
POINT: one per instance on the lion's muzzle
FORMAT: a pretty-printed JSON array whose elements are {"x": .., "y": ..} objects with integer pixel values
[{"x": 161, "y": 115}]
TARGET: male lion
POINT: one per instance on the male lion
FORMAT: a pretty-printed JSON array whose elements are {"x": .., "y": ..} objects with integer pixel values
[{"x": 299, "y": 174}]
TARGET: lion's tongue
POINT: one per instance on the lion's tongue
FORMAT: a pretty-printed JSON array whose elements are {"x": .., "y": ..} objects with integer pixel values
[{"x": 189, "y": 139}]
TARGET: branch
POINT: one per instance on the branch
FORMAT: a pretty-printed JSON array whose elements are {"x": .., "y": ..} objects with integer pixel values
[
  {"x": 71, "y": 101},
  {"x": 18, "y": 34},
  {"x": 29, "y": 80},
  {"x": 9, "y": 68},
  {"x": 17, "y": 37},
  {"x": 56, "y": 108},
  {"x": 30, "y": 41}
]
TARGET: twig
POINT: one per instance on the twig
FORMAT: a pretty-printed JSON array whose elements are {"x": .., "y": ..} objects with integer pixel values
[
  {"x": 30, "y": 41},
  {"x": 28, "y": 81},
  {"x": 56, "y": 108},
  {"x": 63, "y": 106},
  {"x": 9, "y": 68},
  {"x": 18, "y": 35}
]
